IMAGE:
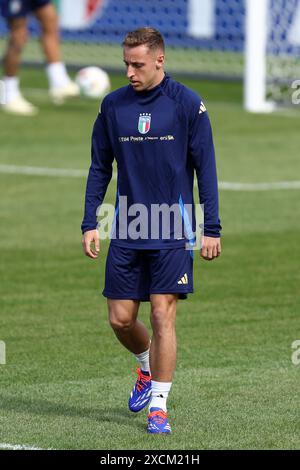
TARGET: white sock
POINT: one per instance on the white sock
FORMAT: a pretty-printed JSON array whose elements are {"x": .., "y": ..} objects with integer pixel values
[
  {"x": 159, "y": 394},
  {"x": 143, "y": 360},
  {"x": 57, "y": 75},
  {"x": 11, "y": 88}
]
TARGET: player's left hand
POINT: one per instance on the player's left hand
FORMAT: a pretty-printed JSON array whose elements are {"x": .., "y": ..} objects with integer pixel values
[{"x": 211, "y": 248}]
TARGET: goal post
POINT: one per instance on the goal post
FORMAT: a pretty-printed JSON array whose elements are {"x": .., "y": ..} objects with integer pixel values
[{"x": 255, "y": 68}]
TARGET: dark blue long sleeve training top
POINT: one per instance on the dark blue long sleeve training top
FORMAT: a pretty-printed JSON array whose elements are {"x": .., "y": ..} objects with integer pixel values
[{"x": 158, "y": 138}]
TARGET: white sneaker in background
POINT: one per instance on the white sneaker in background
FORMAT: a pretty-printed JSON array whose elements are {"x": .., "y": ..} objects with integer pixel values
[
  {"x": 60, "y": 94},
  {"x": 19, "y": 105}
]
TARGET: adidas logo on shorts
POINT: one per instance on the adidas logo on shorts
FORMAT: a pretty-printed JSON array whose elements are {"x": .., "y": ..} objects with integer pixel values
[{"x": 184, "y": 279}]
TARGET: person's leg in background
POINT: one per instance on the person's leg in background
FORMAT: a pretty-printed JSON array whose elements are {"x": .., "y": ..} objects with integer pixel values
[
  {"x": 14, "y": 102},
  {"x": 60, "y": 84}
]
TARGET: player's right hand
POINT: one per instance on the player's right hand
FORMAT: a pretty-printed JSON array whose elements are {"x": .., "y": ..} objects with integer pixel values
[{"x": 91, "y": 243}]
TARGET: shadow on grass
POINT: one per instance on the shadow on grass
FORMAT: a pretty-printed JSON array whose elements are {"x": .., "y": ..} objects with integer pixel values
[{"x": 46, "y": 408}]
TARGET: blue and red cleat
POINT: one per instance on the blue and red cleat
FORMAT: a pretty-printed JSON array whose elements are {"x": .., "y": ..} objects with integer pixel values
[
  {"x": 158, "y": 422},
  {"x": 141, "y": 392}
]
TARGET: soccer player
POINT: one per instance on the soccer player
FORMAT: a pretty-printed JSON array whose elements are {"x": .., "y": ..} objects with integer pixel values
[
  {"x": 159, "y": 133},
  {"x": 60, "y": 84}
]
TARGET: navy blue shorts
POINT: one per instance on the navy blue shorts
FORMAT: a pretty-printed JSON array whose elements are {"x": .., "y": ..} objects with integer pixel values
[
  {"x": 11, "y": 9},
  {"x": 135, "y": 274}
]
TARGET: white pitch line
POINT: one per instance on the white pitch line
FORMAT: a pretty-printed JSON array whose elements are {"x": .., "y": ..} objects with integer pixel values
[
  {"x": 259, "y": 186},
  {"x": 73, "y": 173},
  {"x": 19, "y": 447},
  {"x": 42, "y": 171}
]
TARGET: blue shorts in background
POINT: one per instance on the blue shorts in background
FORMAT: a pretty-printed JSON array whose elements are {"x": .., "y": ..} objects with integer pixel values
[
  {"x": 135, "y": 274},
  {"x": 11, "y": 9}
]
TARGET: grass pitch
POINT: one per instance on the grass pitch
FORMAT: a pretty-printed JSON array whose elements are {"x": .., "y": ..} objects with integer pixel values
[{"x": 67, "y": 379}]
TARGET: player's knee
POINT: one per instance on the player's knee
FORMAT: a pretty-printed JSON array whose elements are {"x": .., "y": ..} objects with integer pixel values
[
  {"x": 18, "y": 38},
  {"x": 49, "y": 21},
  {"x": 50, "y": 27},
  {"x": 162, "y": 320},
  {"x": 120, "y": 321}
]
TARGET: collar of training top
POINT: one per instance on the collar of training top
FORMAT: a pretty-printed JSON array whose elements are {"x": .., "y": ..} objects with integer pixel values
[{"x": 153, "y": 90}]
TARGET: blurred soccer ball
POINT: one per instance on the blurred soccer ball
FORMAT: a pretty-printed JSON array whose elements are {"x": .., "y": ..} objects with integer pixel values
[{"x": 93, "y": 82}]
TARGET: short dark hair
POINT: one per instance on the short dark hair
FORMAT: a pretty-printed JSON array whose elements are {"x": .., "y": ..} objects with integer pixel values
[{"x": 145, "y": 36}]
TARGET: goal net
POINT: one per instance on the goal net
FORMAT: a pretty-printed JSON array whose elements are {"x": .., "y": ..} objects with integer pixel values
[{"x": 272, "y": 53}]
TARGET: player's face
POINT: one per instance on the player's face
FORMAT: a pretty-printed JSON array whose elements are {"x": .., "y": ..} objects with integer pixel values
[{"x": 144, "y": 67}]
